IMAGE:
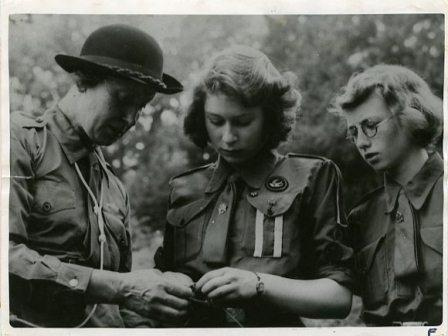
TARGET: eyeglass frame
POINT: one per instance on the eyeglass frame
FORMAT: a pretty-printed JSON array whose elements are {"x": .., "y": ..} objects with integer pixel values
[{"x": 353, "y": 138}]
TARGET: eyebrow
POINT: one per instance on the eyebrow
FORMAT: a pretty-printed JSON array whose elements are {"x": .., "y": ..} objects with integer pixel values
[{"x": 236, "y": 117}]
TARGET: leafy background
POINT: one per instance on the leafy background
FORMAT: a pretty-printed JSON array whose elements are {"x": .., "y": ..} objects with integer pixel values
[{"x": 322, "y": 51}]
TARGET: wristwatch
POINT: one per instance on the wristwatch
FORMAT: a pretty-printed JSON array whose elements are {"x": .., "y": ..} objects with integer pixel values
[{"x": 259, "y": 287}]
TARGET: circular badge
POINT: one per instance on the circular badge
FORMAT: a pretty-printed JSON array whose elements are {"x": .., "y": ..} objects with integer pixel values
[{"x": 276, "y": 183}]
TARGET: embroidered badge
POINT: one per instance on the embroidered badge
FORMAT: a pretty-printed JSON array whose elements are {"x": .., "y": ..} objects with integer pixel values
[
  {"x": 222, "y": 208},
  {"x": 399, "y": 218},
  {"x": 276, "y": 183}
]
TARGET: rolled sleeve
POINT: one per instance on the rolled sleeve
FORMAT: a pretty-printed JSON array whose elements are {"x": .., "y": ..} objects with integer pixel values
[{"x": 334, "y": 256}]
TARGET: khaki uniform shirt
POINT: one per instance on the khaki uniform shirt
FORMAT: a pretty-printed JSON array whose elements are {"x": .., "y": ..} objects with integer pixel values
[
  {"x": 287, "y": 220},
  {"x": 417, "y": 297},
  {"x": 53, "y": 228}
]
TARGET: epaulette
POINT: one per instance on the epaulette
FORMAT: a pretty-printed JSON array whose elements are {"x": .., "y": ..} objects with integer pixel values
[
  {"x": 367, "y": 196},
  {"x": 194, "y": 170},
  {"x": 308, "y": 156},
  {"x": 27, "y": 121}
]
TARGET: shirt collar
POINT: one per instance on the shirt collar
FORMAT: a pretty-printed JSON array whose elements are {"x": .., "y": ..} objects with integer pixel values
[
  {"x": 419, "y": 187},
  {"x": 73, "y": 143},
  {"x": 253, "y": 175}
]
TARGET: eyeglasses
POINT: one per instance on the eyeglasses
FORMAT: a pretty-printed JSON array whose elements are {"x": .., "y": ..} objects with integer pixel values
[{"x": 368, "y": 127}]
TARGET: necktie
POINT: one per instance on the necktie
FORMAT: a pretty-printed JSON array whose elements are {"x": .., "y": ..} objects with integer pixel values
[
  {"x": 214, "y": 248},
  {"x": 405, "y": 253}
]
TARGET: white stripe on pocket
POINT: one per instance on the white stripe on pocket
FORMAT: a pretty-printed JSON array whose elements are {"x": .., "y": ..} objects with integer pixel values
[
  {"x": 259, "y": 219},
  {"x": 278, "y": 236}
]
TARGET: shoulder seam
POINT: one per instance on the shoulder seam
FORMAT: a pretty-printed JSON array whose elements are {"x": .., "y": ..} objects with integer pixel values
[
  {"x": 308, "y": 156},
  {"x": 192, "y": 170}
]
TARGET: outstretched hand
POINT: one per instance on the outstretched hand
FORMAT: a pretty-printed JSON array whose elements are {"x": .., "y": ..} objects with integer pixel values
[{"x": 228, "y": 285}]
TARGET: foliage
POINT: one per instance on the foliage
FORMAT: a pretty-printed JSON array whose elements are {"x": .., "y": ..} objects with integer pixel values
[{"x": 323, "y": 51}]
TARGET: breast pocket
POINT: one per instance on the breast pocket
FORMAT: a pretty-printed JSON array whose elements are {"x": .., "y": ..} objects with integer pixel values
[
  {"x": 270, "y": 229},
  {"x": 371, "y": 266},
  {"x": 51, "y": 197},
  {"x": 188, "y": 223}
]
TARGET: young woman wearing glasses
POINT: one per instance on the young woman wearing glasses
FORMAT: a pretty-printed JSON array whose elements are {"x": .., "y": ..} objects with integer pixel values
[{"x": 394, "y": 120}]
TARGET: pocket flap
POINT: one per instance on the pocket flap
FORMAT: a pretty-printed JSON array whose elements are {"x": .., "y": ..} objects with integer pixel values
[
  {"x": 273, "y": 204},
  {"x": 181, "y": 216},
  {"x": 433, "y": 237},
  {"x": 365, "y": 257},
  {"x": 52, "y": 196}
]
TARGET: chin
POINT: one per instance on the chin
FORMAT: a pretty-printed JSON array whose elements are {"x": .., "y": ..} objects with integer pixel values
[
  {"x": 234, "y": 160},
  {"x": 379, "y": 166}
]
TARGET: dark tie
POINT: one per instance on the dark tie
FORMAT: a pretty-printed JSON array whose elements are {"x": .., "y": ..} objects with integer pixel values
[
  {"x": 215, "y": 242},
  {"x": 405, "y": 254}
]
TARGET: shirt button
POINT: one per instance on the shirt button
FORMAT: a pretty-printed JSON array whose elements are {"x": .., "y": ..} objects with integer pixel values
[
  {"x": 73, "y": 282},
  {"x": 46, "y": 206},
  {"x": 253, "y": 194}
]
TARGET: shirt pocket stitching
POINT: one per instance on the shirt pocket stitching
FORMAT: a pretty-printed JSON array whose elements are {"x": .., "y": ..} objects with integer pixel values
[
  {"x": 370, "y": 261},
  {"x": 189, "y": 226}
]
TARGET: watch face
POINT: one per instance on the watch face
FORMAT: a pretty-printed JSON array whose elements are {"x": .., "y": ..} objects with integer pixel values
[{"x": 260, "y": 287}]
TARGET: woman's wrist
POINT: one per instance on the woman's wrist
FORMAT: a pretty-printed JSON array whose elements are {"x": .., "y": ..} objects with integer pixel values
[
  {"x": 259, "y": 285},
  {"x": 104, "y": 287}
]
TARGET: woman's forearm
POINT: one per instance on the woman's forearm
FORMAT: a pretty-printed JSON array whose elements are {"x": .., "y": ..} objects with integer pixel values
[{"x": 320, "y": 298}]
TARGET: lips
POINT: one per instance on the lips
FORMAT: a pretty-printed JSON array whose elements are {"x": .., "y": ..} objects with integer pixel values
[
  {"x": 371, "y": 156},
  {"x": 231, "y": 152}
]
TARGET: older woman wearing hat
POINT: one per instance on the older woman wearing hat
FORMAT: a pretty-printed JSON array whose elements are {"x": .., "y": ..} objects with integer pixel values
[
  {"x": 262, "y": 234},
  {"x": 70, "y": 246}
]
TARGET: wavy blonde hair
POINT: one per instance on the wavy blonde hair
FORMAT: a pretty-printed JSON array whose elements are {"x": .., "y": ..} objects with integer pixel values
[{"x": 406, "y": 94}]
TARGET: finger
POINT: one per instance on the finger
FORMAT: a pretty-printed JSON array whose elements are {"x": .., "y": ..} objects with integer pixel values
[
  {"x": 209, "y": 276},
  {"x": 221, "y": 292},
  {"x": 179, "y": 290},
  {"x": 166, "y": 314},
  {"x": 175, "y": 302},
  {"x": 178, "y": 277},
  {"x": 214, "y": 284}
]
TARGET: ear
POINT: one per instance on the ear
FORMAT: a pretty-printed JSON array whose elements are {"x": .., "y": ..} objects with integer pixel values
[{"x": 81, "y": 88}]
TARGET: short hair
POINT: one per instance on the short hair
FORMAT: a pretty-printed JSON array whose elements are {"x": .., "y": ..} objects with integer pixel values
[
  {"x": 248, "y": 76},
  {"x": 406, "y": 94}
]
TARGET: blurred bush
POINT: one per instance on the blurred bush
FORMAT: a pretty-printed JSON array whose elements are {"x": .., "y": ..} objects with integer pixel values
[{"x": 323, "y": 51}]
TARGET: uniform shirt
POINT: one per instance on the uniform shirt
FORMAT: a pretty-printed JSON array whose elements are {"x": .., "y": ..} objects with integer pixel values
[
  {"x": 53, "y": 229},
  {"x": 417, "y": 297},
  {"x": 287, "y": 220}
]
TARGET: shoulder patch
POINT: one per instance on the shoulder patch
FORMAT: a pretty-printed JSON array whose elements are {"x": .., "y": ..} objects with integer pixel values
[{"x": 25, "y": 120}]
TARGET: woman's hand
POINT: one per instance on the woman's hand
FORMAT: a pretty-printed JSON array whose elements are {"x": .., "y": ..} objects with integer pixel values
[{"x": 228, "y": 285}]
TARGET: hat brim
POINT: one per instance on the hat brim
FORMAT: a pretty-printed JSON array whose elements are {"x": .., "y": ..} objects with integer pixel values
[{"x": 72, "y": 64}]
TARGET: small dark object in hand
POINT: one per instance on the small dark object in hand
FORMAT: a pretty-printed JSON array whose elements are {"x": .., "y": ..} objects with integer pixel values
[{"x": 199, "y": 298}]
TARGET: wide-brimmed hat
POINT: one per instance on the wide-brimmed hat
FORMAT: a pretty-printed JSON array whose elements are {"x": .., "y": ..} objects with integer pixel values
[{"x": 122, "y": 51}]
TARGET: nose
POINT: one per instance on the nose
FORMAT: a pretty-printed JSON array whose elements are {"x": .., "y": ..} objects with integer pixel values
[
  {"x": 362, "y": 141},
  {"x": 130, "y": 117},
  {"x": 229, "y": 136}
]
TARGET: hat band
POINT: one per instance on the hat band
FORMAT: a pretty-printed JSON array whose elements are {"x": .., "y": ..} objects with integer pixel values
[{"x": 137, "y": 75}]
